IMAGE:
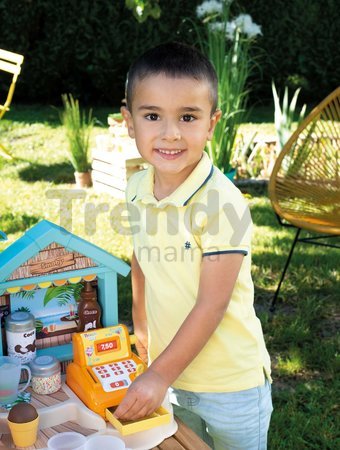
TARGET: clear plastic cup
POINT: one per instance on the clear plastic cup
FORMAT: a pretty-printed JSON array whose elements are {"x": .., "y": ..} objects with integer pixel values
[
  {"x": 69, "y": 440},
  {"x": 10, "y": 372},
  {"x": 104, "y": 441}
]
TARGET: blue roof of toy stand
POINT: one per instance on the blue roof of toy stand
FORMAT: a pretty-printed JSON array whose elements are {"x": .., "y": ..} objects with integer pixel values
[
  {"x": 3, "y": 236},
  {"x": 45, "y": 233}
]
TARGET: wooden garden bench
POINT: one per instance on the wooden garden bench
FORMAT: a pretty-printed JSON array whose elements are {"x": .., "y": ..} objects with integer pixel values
[{"x": 304, "y": 187}]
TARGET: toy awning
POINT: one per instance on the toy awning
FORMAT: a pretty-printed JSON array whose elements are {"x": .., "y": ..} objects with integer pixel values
[
  {"x": 49, "y": 255},
  {"x": 47, "y": 284}
]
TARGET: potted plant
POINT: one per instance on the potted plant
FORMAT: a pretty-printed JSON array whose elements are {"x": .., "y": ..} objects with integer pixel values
[
  {"x": 227, "y": 43},
  {"x": 78, "y": 130}
]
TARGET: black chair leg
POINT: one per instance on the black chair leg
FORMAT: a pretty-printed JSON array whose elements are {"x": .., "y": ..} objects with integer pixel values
[{"x": 272, "y": 306}]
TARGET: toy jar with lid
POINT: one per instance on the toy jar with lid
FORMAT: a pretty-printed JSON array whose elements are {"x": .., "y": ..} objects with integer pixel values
[
  {"x": 46, "y": 374},
  {"x": 20, "y": 336}
]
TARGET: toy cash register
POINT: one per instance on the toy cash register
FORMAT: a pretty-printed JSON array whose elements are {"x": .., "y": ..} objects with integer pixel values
[{"x": 103, "y": 368}]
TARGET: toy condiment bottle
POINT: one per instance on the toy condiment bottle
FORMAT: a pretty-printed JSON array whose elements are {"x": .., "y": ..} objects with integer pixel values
[{"x": 89, "y": 310}]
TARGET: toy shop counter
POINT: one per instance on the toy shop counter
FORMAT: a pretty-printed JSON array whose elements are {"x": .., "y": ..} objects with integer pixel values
[{"x": 63, "y": 411}]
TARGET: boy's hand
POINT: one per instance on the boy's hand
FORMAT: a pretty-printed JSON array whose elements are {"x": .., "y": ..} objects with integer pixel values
[{"x": 143, "y": 397}]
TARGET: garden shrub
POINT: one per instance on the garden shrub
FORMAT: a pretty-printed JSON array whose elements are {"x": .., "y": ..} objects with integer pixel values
[
  {"x": 85, "y": 46},
  {"x": 299, "y": 45},
  {"x": 81, "y": 46}
]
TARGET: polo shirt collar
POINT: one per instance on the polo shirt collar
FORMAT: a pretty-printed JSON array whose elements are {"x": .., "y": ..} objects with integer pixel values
[{"x": 182, "y": 195}]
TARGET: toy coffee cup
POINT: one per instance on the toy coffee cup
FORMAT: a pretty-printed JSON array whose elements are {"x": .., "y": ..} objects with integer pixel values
[{"x": 10, "y": 372}]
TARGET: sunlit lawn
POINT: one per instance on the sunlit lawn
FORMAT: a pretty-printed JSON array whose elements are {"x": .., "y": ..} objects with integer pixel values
[{"x": 302, "y": 336}]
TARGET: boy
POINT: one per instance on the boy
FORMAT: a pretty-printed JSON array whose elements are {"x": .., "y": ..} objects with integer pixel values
[{"x": 192, "y": 290}]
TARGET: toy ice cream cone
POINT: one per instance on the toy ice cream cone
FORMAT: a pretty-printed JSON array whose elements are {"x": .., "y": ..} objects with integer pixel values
[{"x": 23, "y": 421}]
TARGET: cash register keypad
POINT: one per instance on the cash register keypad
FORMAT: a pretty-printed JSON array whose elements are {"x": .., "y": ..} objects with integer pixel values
[{"x": 114, "y": 376}]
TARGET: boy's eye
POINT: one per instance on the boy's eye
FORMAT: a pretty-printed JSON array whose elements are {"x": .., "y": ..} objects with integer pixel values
[
  {"x": 152, "y": 116},
  {"x": 188, "y": 118}
]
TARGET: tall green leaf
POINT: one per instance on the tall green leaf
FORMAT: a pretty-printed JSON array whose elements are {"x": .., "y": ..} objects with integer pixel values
[
  {"x": 284, "y": 116},
  {"x": 229, "y": 54},
  {"x": 78, "y": 130}
]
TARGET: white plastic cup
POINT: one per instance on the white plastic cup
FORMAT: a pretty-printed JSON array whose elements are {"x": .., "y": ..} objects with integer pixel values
[
  {"x": 104, "y": 441},
  {"x": 70, "y": 440}
]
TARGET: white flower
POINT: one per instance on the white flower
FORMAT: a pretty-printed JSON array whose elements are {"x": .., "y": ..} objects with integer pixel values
[
  {"x": 208, "y": 7},
  {"x": 215, "y": 26},
  {"x": 139, "y": 11},
  {"x": 246, "y": 25},
  {"x": 230, "y": 30}
]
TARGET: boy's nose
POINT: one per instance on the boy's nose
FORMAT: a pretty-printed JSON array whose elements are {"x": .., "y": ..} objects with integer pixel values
[{"x": 171, "y": 131}]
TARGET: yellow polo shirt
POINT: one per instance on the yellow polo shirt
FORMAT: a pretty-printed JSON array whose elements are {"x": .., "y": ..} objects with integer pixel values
[{"x": 205, "y": 216}]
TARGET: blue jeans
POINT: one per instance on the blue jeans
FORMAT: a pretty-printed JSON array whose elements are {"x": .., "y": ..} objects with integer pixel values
[{"x": 234, "y": 420}]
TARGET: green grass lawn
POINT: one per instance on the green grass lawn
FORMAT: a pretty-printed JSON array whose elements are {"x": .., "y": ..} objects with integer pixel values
[{"x": 302, "y": 336}]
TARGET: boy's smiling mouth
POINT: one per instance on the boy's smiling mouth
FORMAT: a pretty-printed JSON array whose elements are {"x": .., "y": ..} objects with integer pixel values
[
  {"x": 164, "y": 151},
  {"x": 169, "y": 152}
]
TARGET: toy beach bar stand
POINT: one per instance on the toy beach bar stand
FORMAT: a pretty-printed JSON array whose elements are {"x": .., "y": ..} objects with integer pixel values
[
  {"x": 44, "y": 272},
  {"x": 52, "y": 275}
]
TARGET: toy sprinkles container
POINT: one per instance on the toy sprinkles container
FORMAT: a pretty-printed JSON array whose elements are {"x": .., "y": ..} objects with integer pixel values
[{"x": 46, "y": 374}]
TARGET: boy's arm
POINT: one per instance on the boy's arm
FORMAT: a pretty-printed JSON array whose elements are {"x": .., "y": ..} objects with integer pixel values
[
  {"x": 217, "y": 280},
  {"x": 138, "y": 309}
]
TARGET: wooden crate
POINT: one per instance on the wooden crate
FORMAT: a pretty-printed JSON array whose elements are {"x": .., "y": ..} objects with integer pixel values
[{"x": 112, "y": 167}]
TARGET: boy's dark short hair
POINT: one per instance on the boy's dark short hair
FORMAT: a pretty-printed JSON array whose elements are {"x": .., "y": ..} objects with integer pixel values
[{"x": 175, "y": 60}]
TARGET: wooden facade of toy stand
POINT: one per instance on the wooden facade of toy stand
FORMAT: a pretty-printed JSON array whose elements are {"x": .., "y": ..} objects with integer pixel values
[{"x": 48, "y": 256}]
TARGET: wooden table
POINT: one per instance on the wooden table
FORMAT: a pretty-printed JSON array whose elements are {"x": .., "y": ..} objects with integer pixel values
[{"x": 183, "y": 439}]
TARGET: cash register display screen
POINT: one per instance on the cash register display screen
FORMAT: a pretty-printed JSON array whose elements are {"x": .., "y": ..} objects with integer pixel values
[
  {"x": 103, "y": 345},
  {"x": 106, "y": 346}
]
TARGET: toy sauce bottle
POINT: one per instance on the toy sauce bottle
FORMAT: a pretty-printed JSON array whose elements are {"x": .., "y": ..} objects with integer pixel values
[{"x": 89, "y": 310}]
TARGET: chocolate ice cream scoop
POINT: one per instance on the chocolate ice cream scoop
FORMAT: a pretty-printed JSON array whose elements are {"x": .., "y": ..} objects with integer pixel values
[{"x": 22, "y": 413}]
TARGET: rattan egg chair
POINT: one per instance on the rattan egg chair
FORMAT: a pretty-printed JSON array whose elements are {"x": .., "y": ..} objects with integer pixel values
[{"x": 304, "y": 187}]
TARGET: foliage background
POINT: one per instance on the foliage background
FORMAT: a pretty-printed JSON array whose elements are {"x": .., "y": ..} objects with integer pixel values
[{"x": 85, "y": 46}]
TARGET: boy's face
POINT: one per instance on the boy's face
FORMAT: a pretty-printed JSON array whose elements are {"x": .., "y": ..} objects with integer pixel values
[{"x": 171, "y": 122}]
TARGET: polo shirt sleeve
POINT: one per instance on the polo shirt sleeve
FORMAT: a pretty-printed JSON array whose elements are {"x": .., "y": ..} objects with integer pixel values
[{"x": 227, "y": 226}]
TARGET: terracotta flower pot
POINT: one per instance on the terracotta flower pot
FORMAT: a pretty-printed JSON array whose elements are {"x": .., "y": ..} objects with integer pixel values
[{"x": 83, "y": 179}]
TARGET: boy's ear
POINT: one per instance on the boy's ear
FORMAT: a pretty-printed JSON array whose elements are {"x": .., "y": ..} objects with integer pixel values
[
  {"x": 213, "y": 121},
  {"x": 128, "y": 119}
]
